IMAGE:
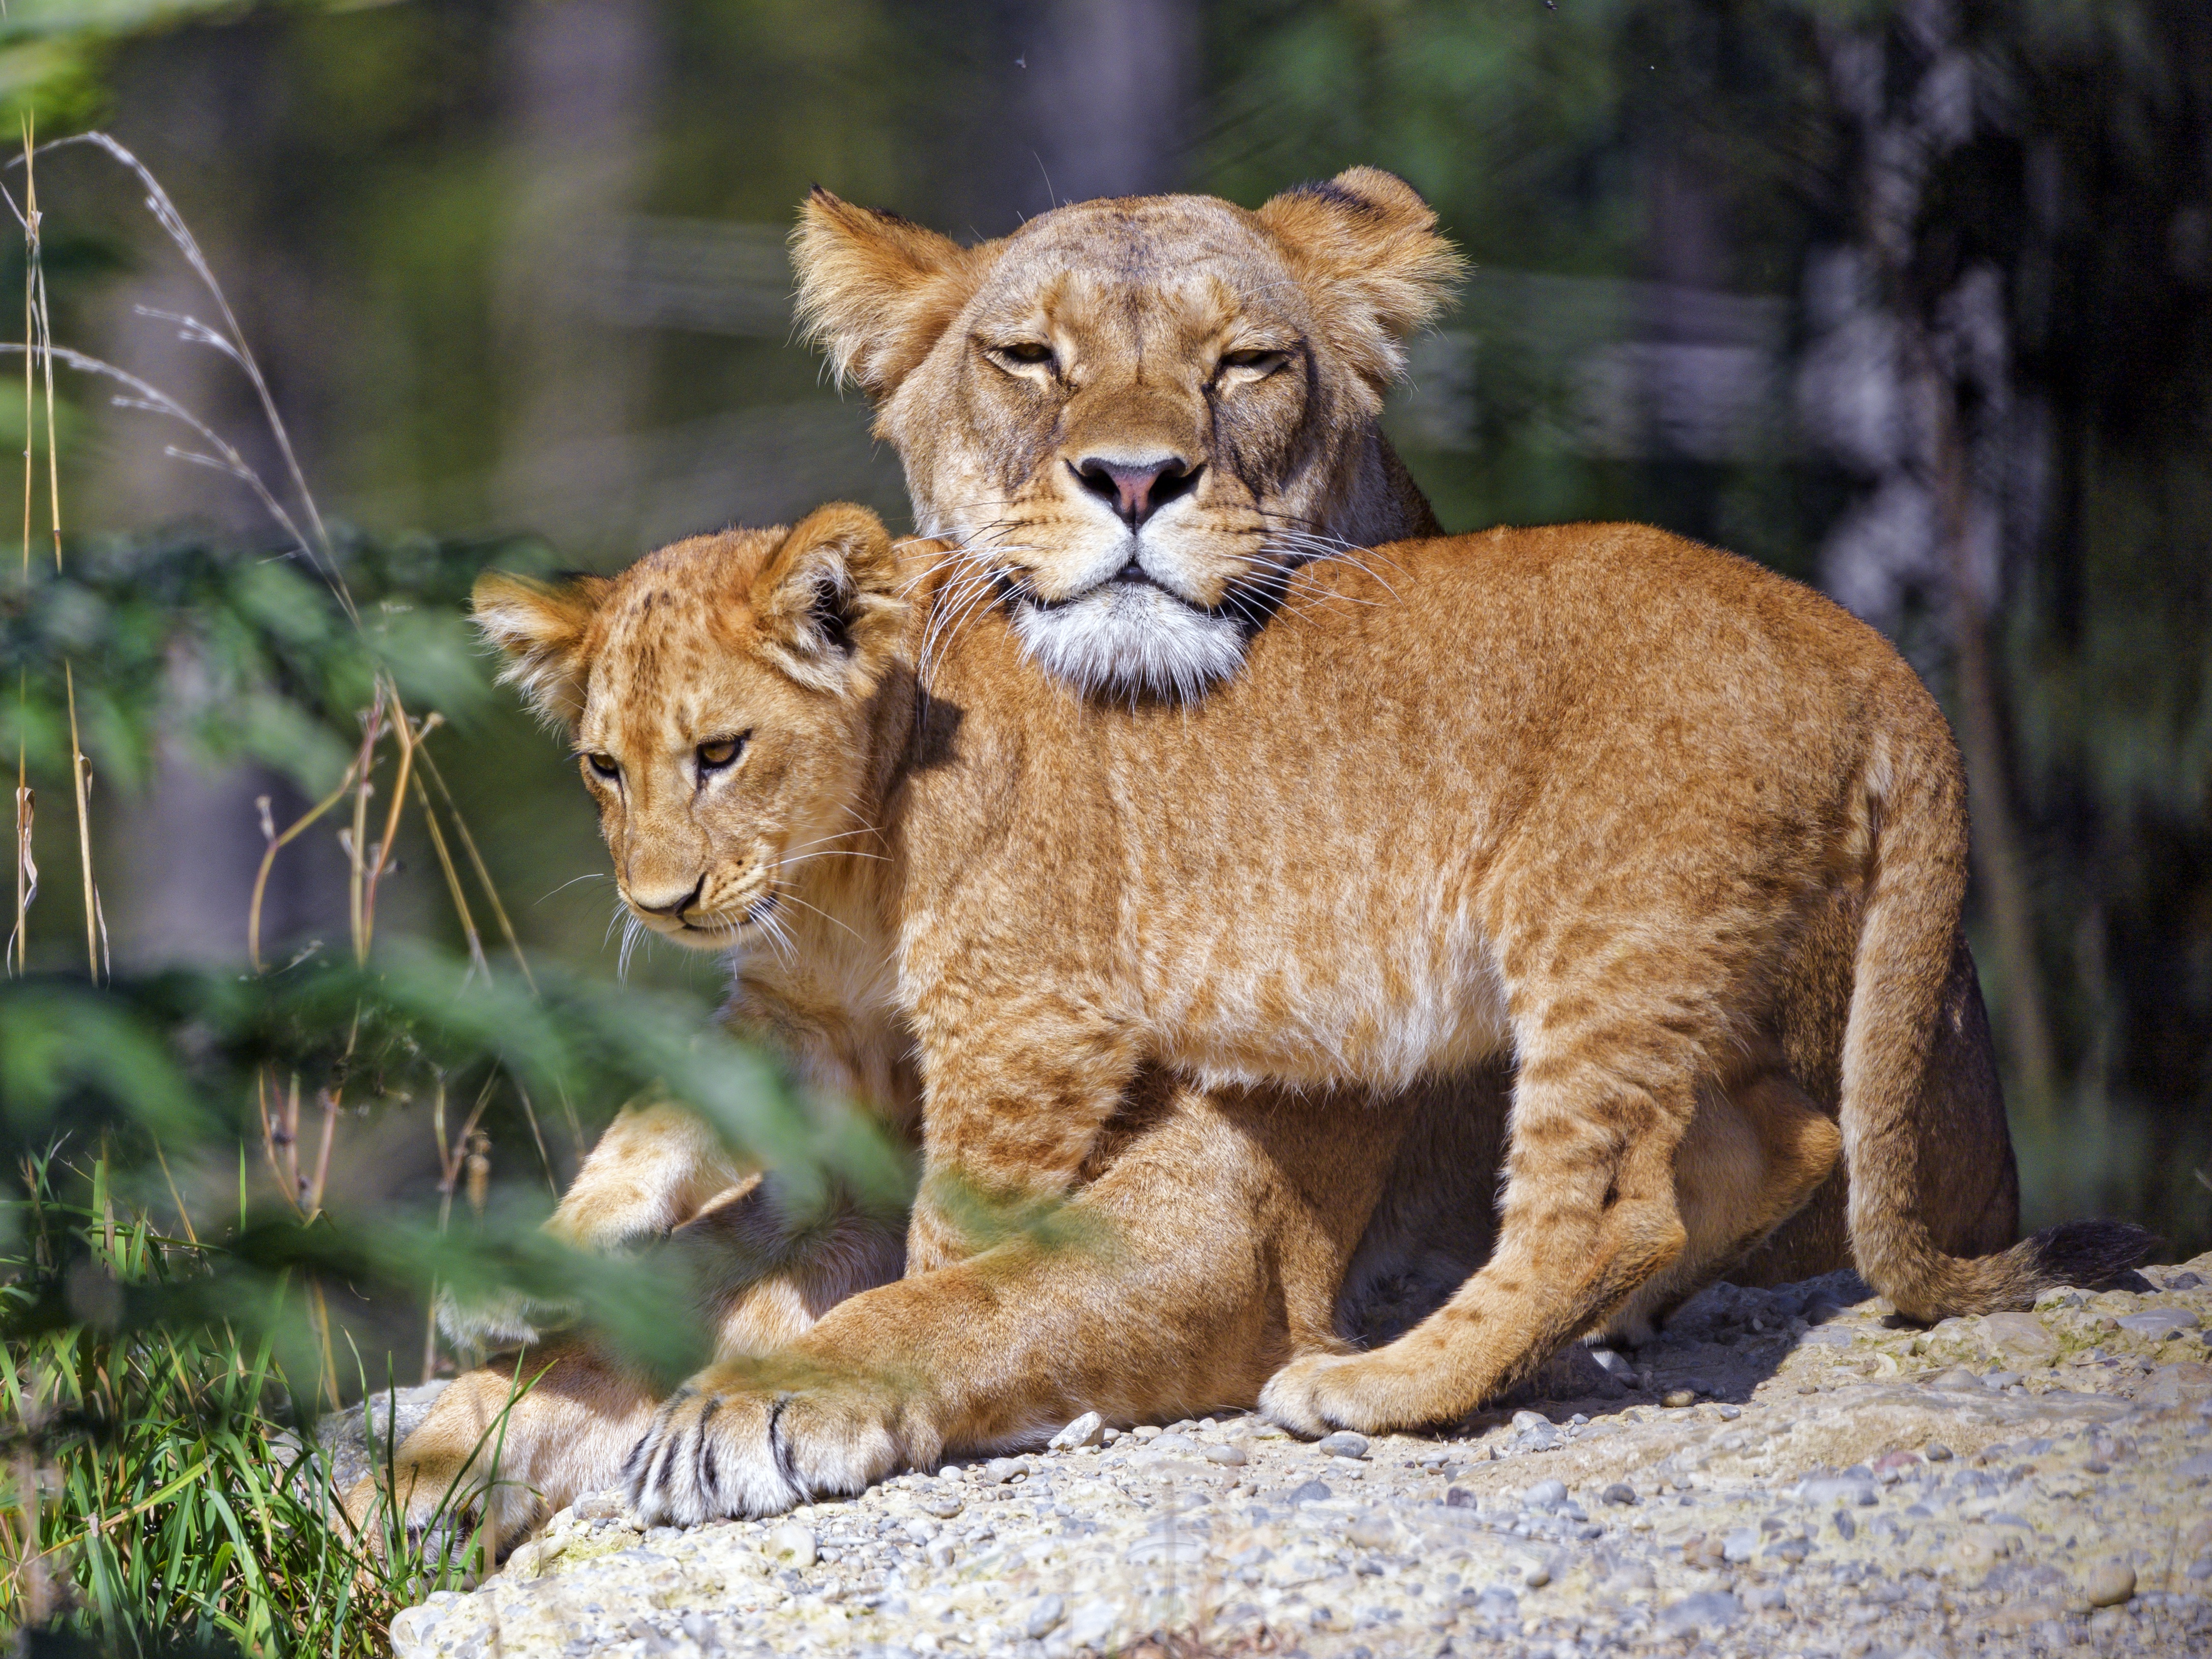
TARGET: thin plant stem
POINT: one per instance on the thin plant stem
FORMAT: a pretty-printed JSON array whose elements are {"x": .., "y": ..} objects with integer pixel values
[
  {"x": 405, "y": 734},
  {"x": 483, "y": 875},
  {"x": 276, "y": 843}
]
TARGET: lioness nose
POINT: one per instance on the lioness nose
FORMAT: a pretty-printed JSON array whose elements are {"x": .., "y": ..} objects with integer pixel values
[
  {"x": 1137, "y": 490},
  {"x": 675, "y": 907}
]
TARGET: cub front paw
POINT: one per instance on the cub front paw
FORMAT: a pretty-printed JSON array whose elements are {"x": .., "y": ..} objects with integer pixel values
[
  {"x": 1319, "y": 1393},
  {"x": 753, "y": 1438}
]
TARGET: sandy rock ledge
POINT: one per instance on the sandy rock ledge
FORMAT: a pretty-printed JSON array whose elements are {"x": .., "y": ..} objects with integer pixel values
[{"x": 1840, "y": 1484}]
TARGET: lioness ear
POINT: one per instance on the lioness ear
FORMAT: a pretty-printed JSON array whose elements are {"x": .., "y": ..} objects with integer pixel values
[
  {"x": 1367, "y": 245},
  {"x": 876, "y": 291},
  {"x": 828, "y": 602},
  {"x": 538, "y": 627}
]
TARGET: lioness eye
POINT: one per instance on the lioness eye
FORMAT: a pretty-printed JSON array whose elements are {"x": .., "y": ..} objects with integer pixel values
[
  {"x": 713, "y": 756},
  {"x": 1026, "y": 351},
  {"x": 1260, "y": 362},
  {"x": 605, "y": 765}
]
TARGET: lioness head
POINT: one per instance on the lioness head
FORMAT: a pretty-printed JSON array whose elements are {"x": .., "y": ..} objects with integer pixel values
[
  {"x": 716, "y": 695},
  {"x": 1136, "y": 416}
]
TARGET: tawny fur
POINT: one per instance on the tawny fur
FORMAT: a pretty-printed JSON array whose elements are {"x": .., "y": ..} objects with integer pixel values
[{"x": 1588, "y": 851}]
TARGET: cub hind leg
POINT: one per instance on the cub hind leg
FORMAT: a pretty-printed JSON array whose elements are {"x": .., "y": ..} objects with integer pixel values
[
  {"x": 1589, "y": 1216},
  {"x": 1752, "y": 1156}
]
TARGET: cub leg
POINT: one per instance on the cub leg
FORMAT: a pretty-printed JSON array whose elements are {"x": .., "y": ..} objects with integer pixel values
[
  {"x": 1207, "y": 1249},
  {"x": 572, "y": 1415},
  {"x": 1018, "y": 1087},
  {"x": 764, "y": 1275},
  {"x": 1589, "y": 1215},
  {"x": 652, "y": 1169},
  {"x": 1752, "y": 1156}
]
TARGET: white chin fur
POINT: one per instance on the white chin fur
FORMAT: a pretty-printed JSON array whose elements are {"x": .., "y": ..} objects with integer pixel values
[{"x": 1132, "y": 639}]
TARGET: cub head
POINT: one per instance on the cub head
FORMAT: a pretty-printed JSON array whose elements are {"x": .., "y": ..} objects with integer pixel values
[
  {"x": 1136, "y": 415},
  {"x": 717, "y": 695}
]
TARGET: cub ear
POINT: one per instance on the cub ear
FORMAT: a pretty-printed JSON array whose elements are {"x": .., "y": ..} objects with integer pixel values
[
  {"x": 828, "y": 605},
  {"x": 876, "y": 291},
  {"x": 538, "y": 627},
  {"x": 1367, "y": 246}
]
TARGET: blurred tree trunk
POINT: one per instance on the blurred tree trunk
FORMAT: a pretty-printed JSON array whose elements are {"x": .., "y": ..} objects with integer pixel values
[
  {"x": 583, "y": 77},
  {"x": 1914, "y": 379},
  {"x": 1108, "y": 89}
]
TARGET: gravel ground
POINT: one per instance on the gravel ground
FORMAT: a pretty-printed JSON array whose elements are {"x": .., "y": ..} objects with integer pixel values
[{"x": 1786, "y": 1472}]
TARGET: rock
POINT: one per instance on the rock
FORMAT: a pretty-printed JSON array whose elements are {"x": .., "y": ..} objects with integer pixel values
[
  {"x": 1043, "y": 1616},
  {"x": 1958, "y": 1380},
  {"x": 1614, "y": 1365},
  {"x": 1088, "y": 1430},
  {"x": 2109, "y": 1584},
  {"x": 1091, "y": 1624},
  {"x": 1450, "y": 1537},
  {"x": 1342, "y": 1443},
  {"x": 1145, "y": 1431},
  {"x": 2021, "y": 1337},
  {"x": 1705, "y": 1612},
  {"x": 792, "y": 1545},
  {"x": 2158, "y": 1323},
  {"x": 1676, "y": 1398},
  {"x": 1372, "y": 1531},
  {"x": 1230, "y": 1456}
]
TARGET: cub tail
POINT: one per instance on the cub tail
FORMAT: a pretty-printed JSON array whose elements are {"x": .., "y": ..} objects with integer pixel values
[{"x": 1915, "y": 815}]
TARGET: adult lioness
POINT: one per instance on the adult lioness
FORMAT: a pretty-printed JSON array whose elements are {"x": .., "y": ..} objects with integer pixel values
[{"x": 1380, "y": 851}]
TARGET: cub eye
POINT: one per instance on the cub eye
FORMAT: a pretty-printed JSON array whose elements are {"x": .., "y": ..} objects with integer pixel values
[
  {"x": 1026, "y": 352},
  {"x": 1260, "y": 362},
  {"x": 605, "y": 766},
  {"x": 713, "y": 756}
]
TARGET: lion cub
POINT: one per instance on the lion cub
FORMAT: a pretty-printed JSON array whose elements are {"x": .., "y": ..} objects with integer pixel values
[{"x": 1575, "y": 805}]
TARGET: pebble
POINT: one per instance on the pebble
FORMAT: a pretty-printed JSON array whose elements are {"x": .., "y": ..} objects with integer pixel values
[
  {"x": 1829, "y": 1522},
  {"x": 1343, "y": 1444},
  {"x": 2109, "y": 1584},
  {"x": 793, "y": 1544},
  {"x": 1676, "y": 1398}
]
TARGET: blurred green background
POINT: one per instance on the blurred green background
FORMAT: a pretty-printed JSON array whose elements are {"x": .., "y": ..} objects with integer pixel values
[{"x": 1909, "y": 298}]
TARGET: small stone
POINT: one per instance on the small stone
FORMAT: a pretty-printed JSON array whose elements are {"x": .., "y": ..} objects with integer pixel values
[
  {"x": 2021, "y": 1337},
  {"x": 1087, "y": 1429},
  {"x": 1145, "y": 1431},
  {"x": 1957, "y": 1380},
  {"x": 1090, "y": 1624},
  {"x": 1525, "y": 1421},
  {"x": 1343, "y": 1444},
  {"x": 2156, "y": 1324},
  {"x": 2109, "y": 1584},
  {"x": 1546, "y": 1495},
  {"x": 1679, "y": 1399},
  {"x": 1765, "y": 1598},
  {"x": 1372, "y": 1531},
  {"x": 1230, "y": 1457},
  {"x": 1707, "y": 1610},
  {"x": 1044, "y": 1617},
  {"x": 1311, "y": 1492},
  {"x": 793, "y": 1544},
  {"x": 1740, "y": 1545},
  {"x": 940, "y": 1502},
  {"x": 1619, "y": 1492},
  {"x": 1458, "y": 1497},
  {"x": 1535, "y": 1575},
  {"x": 1846, "y": 1528},
  {"x": 2194, "y": 1469}
]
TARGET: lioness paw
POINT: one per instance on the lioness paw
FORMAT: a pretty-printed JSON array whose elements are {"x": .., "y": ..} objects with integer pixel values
[{"x": 743, "y": 1439}]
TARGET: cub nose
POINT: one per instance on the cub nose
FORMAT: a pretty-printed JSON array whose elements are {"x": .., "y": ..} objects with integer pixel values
[
  {"x": 1136, "y": 490},
  {"x": 671, "y": 908}
]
